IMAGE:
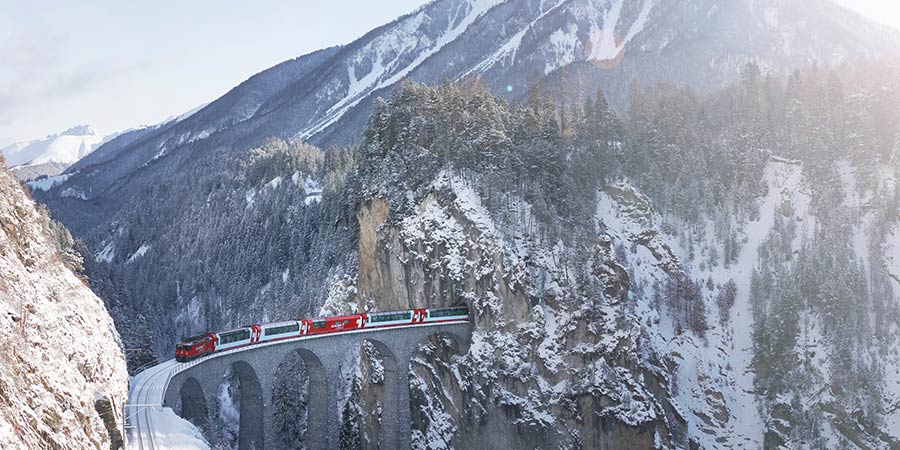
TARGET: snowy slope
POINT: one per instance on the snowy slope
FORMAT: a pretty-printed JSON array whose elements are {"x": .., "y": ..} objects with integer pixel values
[
  {"x": 718, "y": 394},
  {"x": 721, "y": 399}
]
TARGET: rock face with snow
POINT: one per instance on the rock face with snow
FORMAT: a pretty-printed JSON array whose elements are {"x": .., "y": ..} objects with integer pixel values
[
  {"x": 545, "y": 369},
  {"x": 63, "y": 381}
]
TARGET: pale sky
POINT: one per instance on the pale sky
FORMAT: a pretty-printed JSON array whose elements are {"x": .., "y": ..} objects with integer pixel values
[
  {"x": 884, "y": 11},
  {"x": 119, "y": 64}
]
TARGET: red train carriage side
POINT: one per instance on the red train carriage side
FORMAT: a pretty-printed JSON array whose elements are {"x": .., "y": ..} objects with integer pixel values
[
  {"x": 336, "y": 323},
  {"x": 194, "y": 347}
]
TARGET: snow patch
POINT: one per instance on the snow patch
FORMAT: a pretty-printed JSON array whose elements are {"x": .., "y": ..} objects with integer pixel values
[
  {"x": 108, "y": 253},
  {"x": 275, "y": 183},
  {"x": 140, "y": 252},
  {"x": 250, "y": 196},
  {"x": 563, "y": 45},
  {"x": 48, "y": 183},
  {"x": 397, "y": 43},
  {"x": 313, "y": 191},
  {"x": 605, "y": 43},
  {"x": 73, "y": 193}
]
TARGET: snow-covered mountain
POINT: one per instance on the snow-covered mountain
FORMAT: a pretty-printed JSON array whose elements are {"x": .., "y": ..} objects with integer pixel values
[
  {"x": 55, "y": 153},
  {"x": 63, "y": 148},
  {"x": 63, "y": 380},
  {"x": 51, "y": 155},
  {"x": 325, "y": 97}
]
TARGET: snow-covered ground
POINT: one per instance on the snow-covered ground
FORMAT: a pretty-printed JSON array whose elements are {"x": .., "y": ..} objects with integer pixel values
[
  {"x": 719, "y": 364},
  {"x": 155, "y": 427},
  {"x": 48, "y": 183}
]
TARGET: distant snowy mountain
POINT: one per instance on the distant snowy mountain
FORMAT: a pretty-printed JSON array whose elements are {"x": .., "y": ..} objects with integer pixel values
[
  {"x": 325, "y": 97},
  {"x": 64, "y": 148},
  {"x": 55, "y": 153},
  {"x": 51, "y": 155}
]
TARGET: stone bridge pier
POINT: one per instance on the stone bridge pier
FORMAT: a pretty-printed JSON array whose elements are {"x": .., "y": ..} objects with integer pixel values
[{"x": 193, "y": 392}]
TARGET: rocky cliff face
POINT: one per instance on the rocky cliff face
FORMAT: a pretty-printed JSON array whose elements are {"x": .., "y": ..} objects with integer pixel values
[
  {"x": 63, "y": 381},
  {"x": 548, "y": 367},
  {"x": 606, "y": 318},
  {"x": 551, "y": 366}
]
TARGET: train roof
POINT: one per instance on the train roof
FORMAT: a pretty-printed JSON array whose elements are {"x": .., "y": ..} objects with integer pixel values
[
  {"x": 233, "y": 329},
  {"x": 193, "y": 339},
  {"x": 344, "y": 317},
  {"x": 283, "y": 322}
]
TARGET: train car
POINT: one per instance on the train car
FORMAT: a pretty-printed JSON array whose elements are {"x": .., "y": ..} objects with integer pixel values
[
  {"x": 280, "y": 330},
  {"x": 433, "y": 315},
  {"x": 336, "y": 323},
  {"x": 194, "y": 347},
  {"x": 391, "y": 318},
  {"x": 227, "y": 340}
]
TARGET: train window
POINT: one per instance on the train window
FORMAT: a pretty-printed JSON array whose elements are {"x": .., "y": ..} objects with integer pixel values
[
  {"x": 389, "y": 317},
  {"x": 446, "y": 312},
  {"x": 292, "y": 328},
  {"x": 234, "y": 336},
  {"x": 192, "y": 339},
  {"x": 319, "y": 324}
]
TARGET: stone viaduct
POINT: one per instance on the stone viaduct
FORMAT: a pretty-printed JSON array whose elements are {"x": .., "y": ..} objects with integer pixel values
[{"x": 193, "y": 387}]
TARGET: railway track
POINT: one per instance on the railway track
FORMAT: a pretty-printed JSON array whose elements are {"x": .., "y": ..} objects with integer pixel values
[{"x": 147, "y": 389}]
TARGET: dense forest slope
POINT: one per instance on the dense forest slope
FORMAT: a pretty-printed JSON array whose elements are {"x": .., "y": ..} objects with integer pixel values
[{"x": 63, "y": 381}]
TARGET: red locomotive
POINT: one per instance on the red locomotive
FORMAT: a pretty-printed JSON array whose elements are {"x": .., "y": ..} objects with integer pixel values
[{"x": 204, "y": 344}]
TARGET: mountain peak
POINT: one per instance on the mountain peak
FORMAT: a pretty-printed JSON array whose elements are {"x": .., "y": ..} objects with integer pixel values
[
  {"x": 60, "y": 150},
  {"x": 81, "y": 130}
]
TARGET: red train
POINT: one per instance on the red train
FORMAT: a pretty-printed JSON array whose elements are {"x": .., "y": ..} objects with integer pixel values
[{"x": 194, "y": 347}]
